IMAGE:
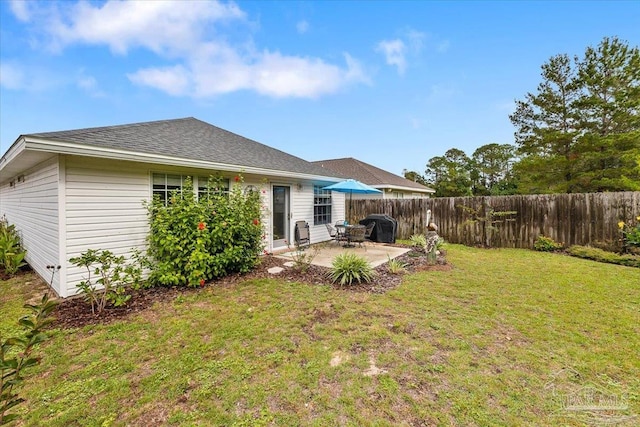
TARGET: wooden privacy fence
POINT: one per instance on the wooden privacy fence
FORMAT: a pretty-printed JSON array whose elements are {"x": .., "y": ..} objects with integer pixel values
[{"x": 511, "y": 221}]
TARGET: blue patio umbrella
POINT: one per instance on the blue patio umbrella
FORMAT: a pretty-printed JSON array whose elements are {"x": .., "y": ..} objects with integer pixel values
[{"x": 352, "y": 186}]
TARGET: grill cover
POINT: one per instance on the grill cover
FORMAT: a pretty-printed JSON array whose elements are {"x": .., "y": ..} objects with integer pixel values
[{"x": 385, "y": 229}]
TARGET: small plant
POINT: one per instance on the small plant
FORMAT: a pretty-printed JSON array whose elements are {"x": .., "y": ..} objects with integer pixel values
[
  {"x": 16, "y": 355},
  {"x": 630, "y": 234},
  {"x": 546, "y": 244},
  {"x": 349, "y": 267},
  {"x": 396, "y": 266},
  {"x": 303, "y": 256},
  {"x": 113, "y": 274},
  {"x": 11, "y": 252},
  {"x": 419, "y": 242}
]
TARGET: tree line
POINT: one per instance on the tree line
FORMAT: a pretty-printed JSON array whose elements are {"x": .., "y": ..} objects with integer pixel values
[{"x": 578, "y": 132}]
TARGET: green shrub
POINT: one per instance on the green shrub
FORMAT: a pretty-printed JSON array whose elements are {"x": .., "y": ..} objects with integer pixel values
[
  {"x": 546, "y": 244},
  {"x": 349, "y": 267},
  {"x": 16, "y": 355},
  {"x": 192, "y": 241},
  {"x": 11, "y": 252},
  {"x": 596, "y": 254},
  {"x": 113, "y": 274}
]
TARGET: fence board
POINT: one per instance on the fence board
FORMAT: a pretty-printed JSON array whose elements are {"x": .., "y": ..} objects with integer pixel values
[{"x": 573, "y": 219}]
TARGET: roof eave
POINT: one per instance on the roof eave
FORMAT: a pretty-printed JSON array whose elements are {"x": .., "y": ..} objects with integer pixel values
[
  {"x": 60, "y": 147},
  {"x": 16, "y": 148}
]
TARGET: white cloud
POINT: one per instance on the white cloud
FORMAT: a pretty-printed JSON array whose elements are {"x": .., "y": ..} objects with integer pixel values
[
  {"x": 415, "y": 39},
  {"x": 408, "y": 45},
  {"x": 20, "y": 9},
  {"x": 19, "y": 76},
  {"x": 271, "y": 74},
  {"x": 302, "y": 26},
  {"x": 394, "y": 52},
  {"x": 161, "y": 26},
  {"x": 173, "y": 80},
  {"x": 11, "y": 77},
  {"x": 205, "y": 60},
  {"x": 89, "y": 84}
]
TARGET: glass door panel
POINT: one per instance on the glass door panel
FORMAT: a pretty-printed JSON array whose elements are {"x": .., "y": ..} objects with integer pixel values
[{"x": 281, "y": 214}]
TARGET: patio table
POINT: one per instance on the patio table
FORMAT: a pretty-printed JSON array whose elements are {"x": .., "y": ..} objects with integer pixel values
[{"x": 345, "y": 230}]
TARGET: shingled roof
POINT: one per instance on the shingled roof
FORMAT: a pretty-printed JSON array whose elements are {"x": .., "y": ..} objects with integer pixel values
[
  {"x": 187, "y": 138},
  {"x": 370, "y": 174}
]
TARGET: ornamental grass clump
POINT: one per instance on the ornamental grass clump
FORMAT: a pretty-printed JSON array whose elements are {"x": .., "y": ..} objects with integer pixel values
[
  {"x": 196, "y": 240},
  {"x": 348, "y": 268},
  {"x": 395, "y": 266}
]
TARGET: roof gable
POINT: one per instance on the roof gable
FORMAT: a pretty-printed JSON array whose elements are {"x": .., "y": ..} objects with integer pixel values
[
  {"x": 369, "y": 174},
  {"x": 186, "y": 138}
]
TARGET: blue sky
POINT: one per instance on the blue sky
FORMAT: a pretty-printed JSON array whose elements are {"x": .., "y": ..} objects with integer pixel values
[{"x": 390, "y": 83}]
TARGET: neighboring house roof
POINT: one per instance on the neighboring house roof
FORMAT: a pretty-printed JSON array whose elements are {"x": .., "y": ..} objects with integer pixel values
[
  {"x": 195, "y": 142},
  {"x": 371, "y": 175}
]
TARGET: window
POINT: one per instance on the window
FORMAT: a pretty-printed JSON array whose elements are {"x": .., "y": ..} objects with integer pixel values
[
  {"x": 218, "y": 185},
  {"x": 321, "y": 206},
  {"x": 164, "y": 184}
]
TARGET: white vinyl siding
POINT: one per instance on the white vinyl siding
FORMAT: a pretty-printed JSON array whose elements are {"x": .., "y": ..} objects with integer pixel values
[
  {"x": 302, "y": 199},
  {"x": 104, "y": 209},
  {"x": 32, "y": 205}
]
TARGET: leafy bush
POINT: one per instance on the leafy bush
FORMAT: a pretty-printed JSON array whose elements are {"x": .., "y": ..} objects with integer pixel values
[
  {"x": 349, "y": 267},
  {"x": 16, "y": 355},
  {"x": 11, "y": 252},
  {"x": 596, "y": 254},
  {"x": 546, "y": 244},
  {"x": 192, "y": 241},
  {"x": 113, "y": 275}
]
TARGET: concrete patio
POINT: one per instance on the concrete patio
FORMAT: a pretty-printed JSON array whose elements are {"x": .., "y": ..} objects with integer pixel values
[{"x": 375, "y": 253}]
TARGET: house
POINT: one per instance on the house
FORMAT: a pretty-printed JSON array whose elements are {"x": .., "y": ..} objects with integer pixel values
[
  {"x": 74, "y": 190},
  {"x": 391, "y": 185}
]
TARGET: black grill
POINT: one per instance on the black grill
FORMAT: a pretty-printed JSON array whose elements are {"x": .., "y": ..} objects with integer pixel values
[{"x": 385, "y": 229}]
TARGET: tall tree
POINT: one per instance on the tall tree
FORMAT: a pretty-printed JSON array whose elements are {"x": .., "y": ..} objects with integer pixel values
[
  {"x": 547, "y": 129},
  {"x": 414, "y": 176},
  {"x": 492, "y": 169},
  {"x": 610, "y": 116},
  {"x": 450, "y": 174},
  {"x": 581, "y": 131}
]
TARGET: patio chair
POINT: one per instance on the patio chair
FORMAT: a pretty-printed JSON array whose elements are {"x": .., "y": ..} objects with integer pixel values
[
  {"x": 341, "y": 230},
  {"x": 356, "y": 235},
  {"x": 301, "y": 234},
  {"x": 369, "y": 230},
  {"x": 333, "y": 233}
]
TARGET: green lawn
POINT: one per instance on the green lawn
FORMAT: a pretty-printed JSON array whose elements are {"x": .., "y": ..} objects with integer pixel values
[{"x": 501, "y": 339}]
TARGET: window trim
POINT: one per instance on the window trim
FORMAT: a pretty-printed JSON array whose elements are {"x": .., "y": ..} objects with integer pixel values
[{"x": 322, "y": 201}]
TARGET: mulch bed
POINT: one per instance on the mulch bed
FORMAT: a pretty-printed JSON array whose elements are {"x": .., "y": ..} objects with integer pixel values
[{"x": 76, "y": 312}]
